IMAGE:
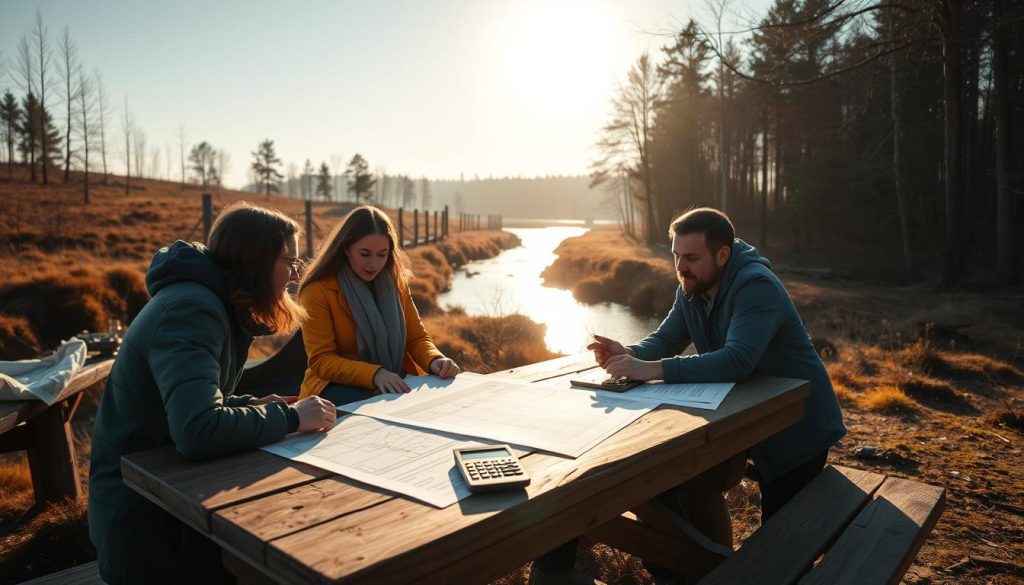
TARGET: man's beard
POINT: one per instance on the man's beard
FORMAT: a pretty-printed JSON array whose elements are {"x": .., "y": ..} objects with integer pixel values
[{"x": 700, "y": 286}]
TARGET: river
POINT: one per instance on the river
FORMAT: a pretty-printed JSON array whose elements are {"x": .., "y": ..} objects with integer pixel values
[{"x": 511, "y": 283}]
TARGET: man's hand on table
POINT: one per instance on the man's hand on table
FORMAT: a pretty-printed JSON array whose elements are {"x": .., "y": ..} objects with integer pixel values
[{"x": 627, "y": 366}]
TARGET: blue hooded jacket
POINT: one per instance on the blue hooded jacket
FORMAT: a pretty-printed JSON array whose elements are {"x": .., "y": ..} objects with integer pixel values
[
  {"x": 753, "y": 328},
  {"x": 171, "y": 383}
]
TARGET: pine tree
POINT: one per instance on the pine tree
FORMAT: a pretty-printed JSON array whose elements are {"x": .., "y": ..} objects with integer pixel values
[
  {"x": 9, "y": 115},
  {"x": 265, "y": 164},
  {"x": 323, "y": 186},
  {"x": 37, "y": 129},
  {"x": 360, "y": 180}
]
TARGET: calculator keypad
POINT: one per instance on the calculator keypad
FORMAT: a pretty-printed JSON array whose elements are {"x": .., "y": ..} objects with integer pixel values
[{"x": 493, "y": 469}]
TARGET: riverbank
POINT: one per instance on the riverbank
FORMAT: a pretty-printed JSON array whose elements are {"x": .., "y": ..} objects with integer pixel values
[
  {"x": 932, "y": 387},
  {"x": 602, "y": 266}
]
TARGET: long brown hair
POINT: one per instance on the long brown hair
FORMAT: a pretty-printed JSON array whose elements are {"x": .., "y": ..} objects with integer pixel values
[
  {"x": 245, "y": 242},
  {"x": 359, "y": 223}
]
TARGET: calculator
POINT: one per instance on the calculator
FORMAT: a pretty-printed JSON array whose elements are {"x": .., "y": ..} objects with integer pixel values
[
  {"x": 489, "y": 468},
  {"x": 612, "y": 384}
]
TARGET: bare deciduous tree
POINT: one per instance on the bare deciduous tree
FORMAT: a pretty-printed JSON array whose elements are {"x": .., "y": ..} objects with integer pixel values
[
  {"x": 625, "y": 140},
  {"x": 26, "y": 79},
  {"x": 127, "y": 132},
  {"x": 139, "y": 144},
  {"x": 181, "y": 152},
  {"x": 101, "y": 117},
  {"x": 85, "y": 117},
  {"x": 68, "y": 69},
  {"x": 41, "y": 47}
]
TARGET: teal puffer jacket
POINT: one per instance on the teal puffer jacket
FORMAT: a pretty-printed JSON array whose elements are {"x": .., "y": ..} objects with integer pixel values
[
  {"x": 753, "y": 328},
  {"x": 170, "y": 384}
]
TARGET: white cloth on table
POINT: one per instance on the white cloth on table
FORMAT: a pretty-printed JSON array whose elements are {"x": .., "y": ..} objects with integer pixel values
[{"x": 43, "y": 378}]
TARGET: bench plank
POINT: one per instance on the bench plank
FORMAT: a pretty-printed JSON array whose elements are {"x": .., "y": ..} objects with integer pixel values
[
  {"x": 883, "y": 539},
  {"x": 87, "y": 574},
  {"x": 785, "y": 546}
]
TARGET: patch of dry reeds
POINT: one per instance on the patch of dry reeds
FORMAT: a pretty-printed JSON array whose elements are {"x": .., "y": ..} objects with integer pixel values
[{"x": 601, "y": 266}]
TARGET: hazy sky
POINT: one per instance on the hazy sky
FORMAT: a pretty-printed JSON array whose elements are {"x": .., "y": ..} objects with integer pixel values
[{"x": 480, "y": 87}]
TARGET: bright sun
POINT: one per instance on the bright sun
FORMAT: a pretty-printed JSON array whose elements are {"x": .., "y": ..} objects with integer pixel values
[{"x": 559, "y": 54}]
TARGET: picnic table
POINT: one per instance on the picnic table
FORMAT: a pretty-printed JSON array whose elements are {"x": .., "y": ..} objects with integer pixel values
[
  {"x": 45, "y": 432},
  {"x": 283, "y": 521}
]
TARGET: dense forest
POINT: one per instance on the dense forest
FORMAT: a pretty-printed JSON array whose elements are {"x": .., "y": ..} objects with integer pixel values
[{"x": 893, "y": 129}]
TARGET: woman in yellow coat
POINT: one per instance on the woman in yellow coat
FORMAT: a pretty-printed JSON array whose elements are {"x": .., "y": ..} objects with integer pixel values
[{"x": 363, "y": 333}]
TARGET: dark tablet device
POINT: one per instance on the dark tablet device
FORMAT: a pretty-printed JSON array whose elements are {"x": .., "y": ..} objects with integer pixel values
[{"x": 612, "y": 384}]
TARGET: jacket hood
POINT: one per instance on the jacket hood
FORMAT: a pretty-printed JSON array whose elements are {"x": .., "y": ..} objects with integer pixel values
[
  {"x": 184, "y": 261},
  {"x": 743, "y": 255}
]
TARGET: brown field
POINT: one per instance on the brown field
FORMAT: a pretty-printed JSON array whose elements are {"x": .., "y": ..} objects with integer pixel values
[
  {"x": 933, "y": 379},
  {"x": 66, "y": 266}
]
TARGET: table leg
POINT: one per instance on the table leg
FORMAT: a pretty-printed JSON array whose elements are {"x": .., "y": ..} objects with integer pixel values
[{"x": 52, "y": 461}]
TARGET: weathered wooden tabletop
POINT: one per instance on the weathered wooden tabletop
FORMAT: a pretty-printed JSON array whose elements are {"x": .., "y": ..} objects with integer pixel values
[
  {"x": 45, "y": 432},
  {"x": 283, "y": 521}
]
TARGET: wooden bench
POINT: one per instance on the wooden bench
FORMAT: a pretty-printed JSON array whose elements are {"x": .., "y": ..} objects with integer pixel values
[
  {"x": 865, "y": 527},
  {"x": 45, "y": 432},
  {"x": 87, "y": 574}
]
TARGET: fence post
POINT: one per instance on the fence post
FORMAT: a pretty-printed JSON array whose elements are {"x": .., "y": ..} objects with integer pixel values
[
  {"x": 426, "y": 226},
  {"x": 207, "y": 216},
  {"x": 309, "y": 228},
  {"x": 415, "y": 226},
  {"x": 401, "y": 228},
  {"x": 436, "y": 232},
  {"x": 446, "y": 221}
]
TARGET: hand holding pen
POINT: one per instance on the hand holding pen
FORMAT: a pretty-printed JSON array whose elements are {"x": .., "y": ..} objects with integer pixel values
[{"x": 605, "y": 348}]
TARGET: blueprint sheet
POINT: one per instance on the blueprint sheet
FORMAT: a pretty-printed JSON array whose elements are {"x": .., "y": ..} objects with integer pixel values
[
  {"x": 706, "y": 395},
  {"x": 412, "y": 462},
  {"x": 555, "y": 419}
]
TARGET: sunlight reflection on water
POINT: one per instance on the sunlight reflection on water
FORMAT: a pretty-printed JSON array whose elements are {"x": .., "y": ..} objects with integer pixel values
[{"x": 511, "y": 283}]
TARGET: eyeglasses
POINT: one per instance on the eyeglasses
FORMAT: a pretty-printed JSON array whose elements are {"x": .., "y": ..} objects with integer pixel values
[{"x": 295, "y": 263}]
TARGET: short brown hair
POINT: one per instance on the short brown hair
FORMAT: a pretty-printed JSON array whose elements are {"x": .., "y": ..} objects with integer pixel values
[
  {"x": 245, "y": 242},
  {"x": 359, "y": 223},
  {"x": 715, "y": 225}
]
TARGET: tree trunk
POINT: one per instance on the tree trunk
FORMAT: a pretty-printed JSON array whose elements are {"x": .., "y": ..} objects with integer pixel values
[
  {"x": 897, "y": 129},
  {"x": 1005, "y": 246},
  {"x": 951, "y": 15},
  {"x": 764, "y": 179}
]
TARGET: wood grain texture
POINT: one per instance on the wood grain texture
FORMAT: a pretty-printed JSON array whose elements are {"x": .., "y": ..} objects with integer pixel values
[
  {"x": 400, "y": 539},
  {"x": 301, "y": 524},
  {"x": 785, "y": 546},
  {"x": 87, "y": 574},
  {"x": 191, "y": 490},
  {"x": 881, "y": 542},
  {"x": 537, "y": 372},
  {"x": 17, "y": 411}
]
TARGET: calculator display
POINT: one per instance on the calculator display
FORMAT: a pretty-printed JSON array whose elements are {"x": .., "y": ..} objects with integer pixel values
[{"x": 487, "y": 454}]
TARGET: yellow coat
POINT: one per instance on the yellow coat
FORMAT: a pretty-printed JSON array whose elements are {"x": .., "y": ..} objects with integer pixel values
[{"x": 329, "y": 334}]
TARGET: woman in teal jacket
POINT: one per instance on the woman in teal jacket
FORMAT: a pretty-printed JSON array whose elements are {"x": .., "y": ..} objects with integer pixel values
[{"x": 172, "y": 383}]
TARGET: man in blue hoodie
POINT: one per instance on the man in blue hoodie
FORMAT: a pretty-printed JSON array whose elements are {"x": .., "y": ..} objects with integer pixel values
[{"x": 742, "y": 322}]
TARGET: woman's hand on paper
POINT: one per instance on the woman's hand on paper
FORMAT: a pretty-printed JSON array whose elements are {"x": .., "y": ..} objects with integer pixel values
[
  {"x": 388, "y": 382},
  {"x": 315, "y": 414},
  {"x": 444, "y": 367}
]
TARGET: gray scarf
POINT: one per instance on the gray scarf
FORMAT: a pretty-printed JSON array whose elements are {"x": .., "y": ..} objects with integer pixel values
[{"x": 380, "y": 323}]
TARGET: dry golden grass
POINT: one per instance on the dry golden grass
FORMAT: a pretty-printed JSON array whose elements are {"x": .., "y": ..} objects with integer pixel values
[
  {"x": 487, "y": 344},
  {"x": 601, "y": 266},
  {"x": 888, "y": 399}
]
